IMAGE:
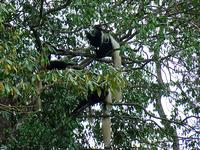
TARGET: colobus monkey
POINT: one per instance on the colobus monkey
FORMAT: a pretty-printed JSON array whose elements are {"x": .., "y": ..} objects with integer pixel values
[
  {"x": 59, "y": 65},
  {"x": 92, "y": 98},
  {"x": 104, "y": 43}
]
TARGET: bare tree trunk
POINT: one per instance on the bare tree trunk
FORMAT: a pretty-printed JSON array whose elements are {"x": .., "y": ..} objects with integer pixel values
[
  {"x": 167, "y": 125},
  {"x": 38, "y": 92},
  {"x": 198, "y": 75}
]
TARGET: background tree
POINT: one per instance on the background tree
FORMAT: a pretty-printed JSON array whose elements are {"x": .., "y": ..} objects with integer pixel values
[{"x": 160, "y": 64}]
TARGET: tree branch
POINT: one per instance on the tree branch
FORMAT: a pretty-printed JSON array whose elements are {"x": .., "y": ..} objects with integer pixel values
[{"x": 67, "y": 3}]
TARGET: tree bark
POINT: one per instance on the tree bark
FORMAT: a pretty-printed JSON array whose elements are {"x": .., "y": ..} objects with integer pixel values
[
  {"x": 38, "y": 93},
  {"x": 167, "y": 125}
]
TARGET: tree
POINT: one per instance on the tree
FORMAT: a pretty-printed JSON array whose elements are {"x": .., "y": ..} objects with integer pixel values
[{"x": 160, "y": 74}]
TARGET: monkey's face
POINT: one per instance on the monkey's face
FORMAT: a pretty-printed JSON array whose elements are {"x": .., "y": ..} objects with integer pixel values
[{"x": 94, "y": 37}]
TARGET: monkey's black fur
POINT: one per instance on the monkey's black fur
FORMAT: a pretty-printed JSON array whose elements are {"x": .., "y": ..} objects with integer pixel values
[
  {"x": 101, "y": 41},
  {"x": 92, "y": 99},
  {"x": 60, "y": 65},
  {"x": 95, "y": 37}
]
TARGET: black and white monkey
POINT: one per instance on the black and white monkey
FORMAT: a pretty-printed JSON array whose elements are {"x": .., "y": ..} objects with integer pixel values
[
  {"x": 104, "y": 43},
  {"x": 92, "y": 99},
  {"x": 105, "y": 99}
]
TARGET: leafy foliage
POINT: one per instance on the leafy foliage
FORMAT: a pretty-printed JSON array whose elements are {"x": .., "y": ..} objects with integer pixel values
[{"x": 159, "y": 75}]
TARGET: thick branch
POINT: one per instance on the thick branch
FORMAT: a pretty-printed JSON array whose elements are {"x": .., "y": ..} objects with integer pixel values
[{"x": 38, "y": 42}]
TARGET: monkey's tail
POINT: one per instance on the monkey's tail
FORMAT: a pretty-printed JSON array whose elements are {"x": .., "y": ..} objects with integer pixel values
[{"x": 83, "y": 104}]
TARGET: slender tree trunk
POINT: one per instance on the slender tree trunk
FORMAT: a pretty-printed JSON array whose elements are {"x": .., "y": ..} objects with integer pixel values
[
  {"x": 167, "y": 125},
  {"x": 198, "y": 76},
  {"x": 38, "y": 92}
]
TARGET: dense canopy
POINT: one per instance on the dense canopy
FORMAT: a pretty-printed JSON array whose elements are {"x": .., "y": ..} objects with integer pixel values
[{"x": 160, "y": 74}]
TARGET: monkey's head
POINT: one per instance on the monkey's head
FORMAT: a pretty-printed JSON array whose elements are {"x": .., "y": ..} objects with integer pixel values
[
  {"x": 103, "y": 42},
  {"x": 94, "y": 36}
]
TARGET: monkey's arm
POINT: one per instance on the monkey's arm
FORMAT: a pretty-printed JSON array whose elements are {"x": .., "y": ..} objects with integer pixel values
[
  {"x": 81, "y": 106},
  {"x": 93, "y": 98}
]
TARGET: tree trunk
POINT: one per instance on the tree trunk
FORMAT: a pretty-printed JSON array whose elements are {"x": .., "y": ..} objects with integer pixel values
[
  {"x": 38, "y": 92},
  {"x": 167, "y": 125}
]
